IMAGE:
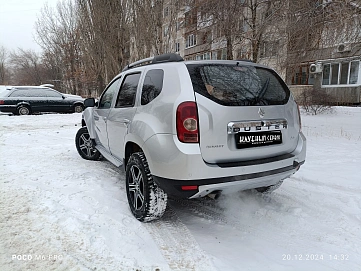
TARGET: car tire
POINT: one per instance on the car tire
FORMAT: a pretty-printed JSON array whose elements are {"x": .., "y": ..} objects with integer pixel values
[
  {"x": 78, "y": 108},
  {"x": 23, "y": 110},
  {"x": 269, "y": 189},
  {"x": 85, "y": 146},
  {"x": 146, "y": 200}
]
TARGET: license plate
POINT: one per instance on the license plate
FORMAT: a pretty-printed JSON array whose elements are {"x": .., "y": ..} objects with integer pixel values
[{"x": 258, "y": 139}]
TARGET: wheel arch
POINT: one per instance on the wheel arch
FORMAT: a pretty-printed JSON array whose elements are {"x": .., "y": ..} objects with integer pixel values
[
  {"x": 88, "y": 121},
  {"x": 130, "y": 147},
  {"x": 24, "y": 104}
]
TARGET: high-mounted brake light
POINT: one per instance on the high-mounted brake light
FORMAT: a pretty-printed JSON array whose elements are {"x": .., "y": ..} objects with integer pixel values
[{"x": 187, "y": 122}]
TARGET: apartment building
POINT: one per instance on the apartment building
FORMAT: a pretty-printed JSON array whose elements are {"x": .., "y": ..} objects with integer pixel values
[{"x": 332, "y": 65}]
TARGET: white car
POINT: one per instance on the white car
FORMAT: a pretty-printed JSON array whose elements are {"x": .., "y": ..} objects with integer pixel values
[{"x": 193, "y": 128}]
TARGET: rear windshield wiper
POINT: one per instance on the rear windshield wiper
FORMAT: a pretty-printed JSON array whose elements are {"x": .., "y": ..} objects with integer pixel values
[{"x": 263, "y": 89}]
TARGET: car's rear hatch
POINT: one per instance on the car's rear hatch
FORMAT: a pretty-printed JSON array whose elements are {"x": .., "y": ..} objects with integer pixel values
[{"x": 245, "y": 112}]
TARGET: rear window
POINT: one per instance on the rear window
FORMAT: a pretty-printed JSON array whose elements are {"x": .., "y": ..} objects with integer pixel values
[{"x": 235, "y": 85}]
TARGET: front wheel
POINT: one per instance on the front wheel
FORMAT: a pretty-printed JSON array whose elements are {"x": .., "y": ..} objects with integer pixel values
[
  {"x": 78, "y": 108},
  {"x": 146, "y": 200},
  {"x": 85, "y": 146}
]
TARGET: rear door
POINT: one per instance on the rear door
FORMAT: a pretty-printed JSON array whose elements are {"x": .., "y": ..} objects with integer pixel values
[{"x": 245, "y": 112}]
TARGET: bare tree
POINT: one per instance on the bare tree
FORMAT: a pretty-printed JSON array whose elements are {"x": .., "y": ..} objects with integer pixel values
[
  {"x": 4, "y": 72},
  {"x": 239, "y": 24},
  {"x": 104, "y": 37},
  {"x": 316, "y": 101},
  {"x": 220, "y": 22},
  {"x": 313, "y": 26},
  {"x": 27, "y": 66},
  {"x": 58, "y": 35},
  {"x": 146, "y": 28}
]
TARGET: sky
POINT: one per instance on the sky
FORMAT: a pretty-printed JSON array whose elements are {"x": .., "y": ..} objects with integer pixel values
[{"x": 17, "y": 23}]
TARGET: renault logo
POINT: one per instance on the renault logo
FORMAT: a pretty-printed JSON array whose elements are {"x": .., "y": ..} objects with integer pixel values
[{"x": 261, "y": 112}]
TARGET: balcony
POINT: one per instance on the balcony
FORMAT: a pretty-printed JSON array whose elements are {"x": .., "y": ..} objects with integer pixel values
[{"x": 197, "y": 49}]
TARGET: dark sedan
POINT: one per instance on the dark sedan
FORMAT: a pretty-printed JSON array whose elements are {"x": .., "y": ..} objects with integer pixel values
[{"x": 26, "y": 100}]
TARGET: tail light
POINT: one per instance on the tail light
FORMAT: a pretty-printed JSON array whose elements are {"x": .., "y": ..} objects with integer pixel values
[
  {"x": 2, "y": 102},
  {"x": 299, "y": 117},
  {"x": 187, "y": 122}
]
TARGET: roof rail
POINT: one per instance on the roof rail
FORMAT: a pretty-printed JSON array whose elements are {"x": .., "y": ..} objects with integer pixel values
[
  {"x": 47, "y": 85},
  {"x": 245, "y": 60},
  {"x": 172, "y": 57}
]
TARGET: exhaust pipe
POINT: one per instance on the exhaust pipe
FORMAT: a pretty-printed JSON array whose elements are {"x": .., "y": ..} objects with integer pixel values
[{"x": 215, "y": 194}]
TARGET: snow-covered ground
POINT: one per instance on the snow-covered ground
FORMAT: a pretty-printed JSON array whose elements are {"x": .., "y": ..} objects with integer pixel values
[{"x": 60, "y": 212}]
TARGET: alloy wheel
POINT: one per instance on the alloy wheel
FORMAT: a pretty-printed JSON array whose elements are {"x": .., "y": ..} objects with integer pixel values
[
  {"x": 24, "y": 110},
  {"x": 78, "y": 109},
  {"x": 136, "y": 188},
  {"x": 86, "y": 145}
]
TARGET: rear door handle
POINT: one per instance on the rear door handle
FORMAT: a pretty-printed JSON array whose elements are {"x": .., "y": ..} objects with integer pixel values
[
  {"x": 96, "y": 118},
  {"x": 126, "y": 122}
]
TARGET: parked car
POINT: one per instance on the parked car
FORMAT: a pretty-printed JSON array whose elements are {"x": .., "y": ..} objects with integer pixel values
[
  {"x": 25, "y": 100},
  {"x": 193, "y": 128}
]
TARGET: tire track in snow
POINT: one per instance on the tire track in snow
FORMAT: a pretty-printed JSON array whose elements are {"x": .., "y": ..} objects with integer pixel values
[
  {"x": 270, "y": 209},
  {"x": 177, "y": 244},
  {"x": 351, "y": 190}
]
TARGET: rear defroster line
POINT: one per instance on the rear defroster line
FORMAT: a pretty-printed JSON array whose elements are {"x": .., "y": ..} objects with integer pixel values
[{"x": 177, "y": 244}]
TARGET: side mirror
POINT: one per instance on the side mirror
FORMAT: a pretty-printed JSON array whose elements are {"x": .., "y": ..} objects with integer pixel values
[{"x": 89, "y": 102}]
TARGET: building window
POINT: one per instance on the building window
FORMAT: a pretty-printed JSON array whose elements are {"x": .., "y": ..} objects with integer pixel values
[
  {"x": 177, "y": 47},
  {"x": 301, "y": 76},
  {"x": 166, "y": 30},
  {"x": 334, "y": 73},
  {"x": 205, "y": 56},
  {"x": 224, "y": 53},
  {"x": 344, "y": 73},
  {"x": 166, "y": 12},
  {"x": 191, "y": 41},
  {"x": 244, "y": 25},
  {"x": 178, "y": 26},
  {"x": 354, "y": 68},
  {"x": 269, "y": 48},
  {"x": 190, "y": 17},
  {"x": 214, "y": 55}
]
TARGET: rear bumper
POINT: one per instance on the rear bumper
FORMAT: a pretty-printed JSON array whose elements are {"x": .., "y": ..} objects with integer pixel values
[
  {"x": 175, "y": 164},
  {"x": 8, "y": 108},
  {"x": 234, "y": 183}
]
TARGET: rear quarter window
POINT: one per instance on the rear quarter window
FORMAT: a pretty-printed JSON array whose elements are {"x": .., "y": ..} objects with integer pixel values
[
  {"x": 52, "y": 93},
  {"x": 152, "y": 86},
  {"x": 237, "y": 85}
]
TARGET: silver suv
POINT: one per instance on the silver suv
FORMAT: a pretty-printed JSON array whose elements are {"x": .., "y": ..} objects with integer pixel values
[{"x": 193, "y": 128}]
